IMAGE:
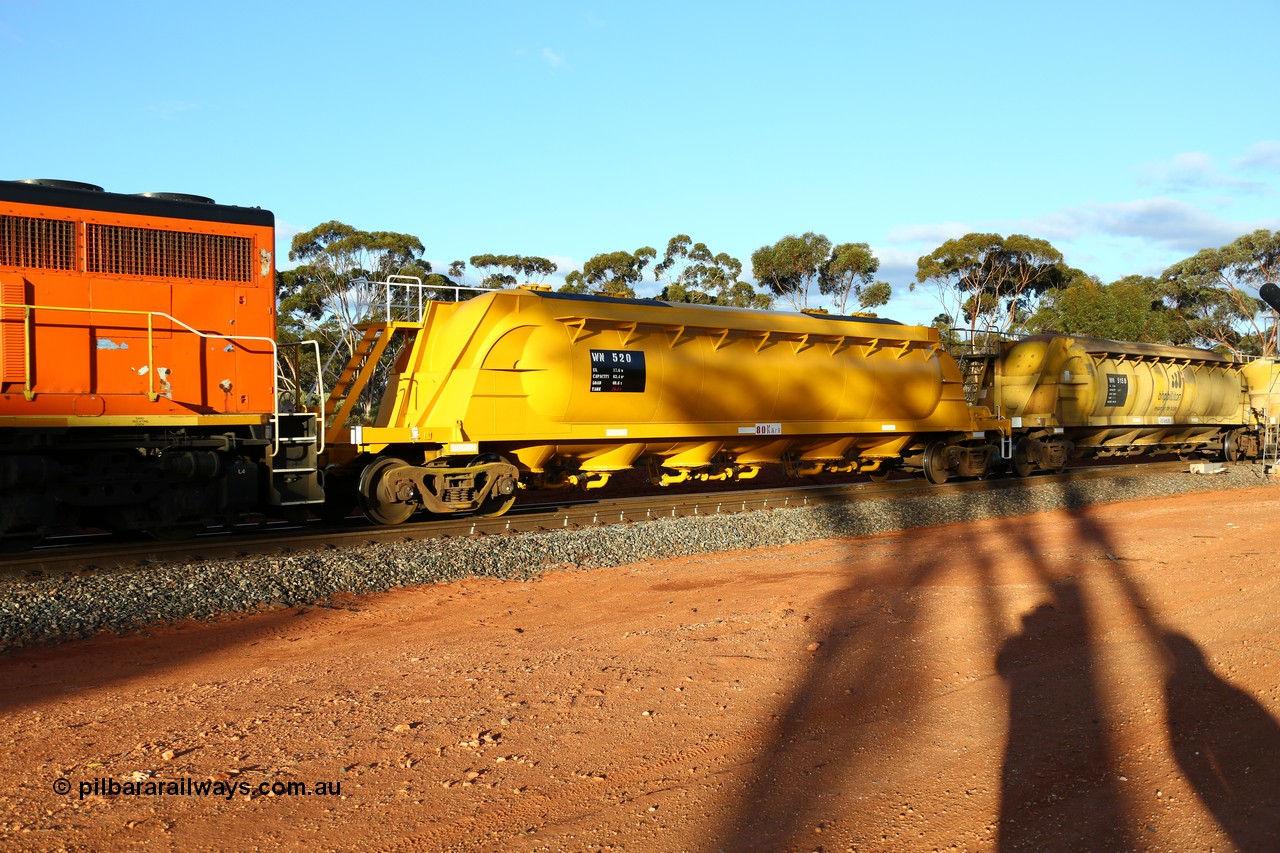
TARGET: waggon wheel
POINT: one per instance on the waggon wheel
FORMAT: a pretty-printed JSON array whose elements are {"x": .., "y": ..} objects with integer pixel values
[
  {"x": 879, "y": 476},
  {"x": 934, "y": 465},
  {"x": 1022, "y": 460},
  {"x": 1230, "y": 449},
  {"x": 504, "y": 494},
  {"x": 376, "y": 493}
]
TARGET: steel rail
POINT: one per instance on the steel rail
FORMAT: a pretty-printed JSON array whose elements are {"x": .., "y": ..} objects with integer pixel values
[{"x": 104, "y": 553}]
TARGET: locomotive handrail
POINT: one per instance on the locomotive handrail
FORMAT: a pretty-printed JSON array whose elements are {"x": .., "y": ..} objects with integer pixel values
[
  {"x": 320, "y": 395},
  {"x": 152, "y": 394}
]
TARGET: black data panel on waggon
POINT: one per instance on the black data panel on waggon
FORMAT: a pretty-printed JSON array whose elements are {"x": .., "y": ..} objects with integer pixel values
[{"x": 617, "y": 370}]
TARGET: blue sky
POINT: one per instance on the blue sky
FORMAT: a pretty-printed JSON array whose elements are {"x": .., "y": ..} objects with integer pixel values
[{"x": 1130, "y": 135}]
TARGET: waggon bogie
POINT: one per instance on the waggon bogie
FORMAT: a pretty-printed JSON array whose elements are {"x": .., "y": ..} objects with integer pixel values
[
  {"x": 939, "y": 459},
  {"x": 390, "y": 490}
]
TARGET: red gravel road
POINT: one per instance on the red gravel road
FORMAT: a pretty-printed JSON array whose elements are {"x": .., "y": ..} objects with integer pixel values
[{"x": 1081, "y": 680}]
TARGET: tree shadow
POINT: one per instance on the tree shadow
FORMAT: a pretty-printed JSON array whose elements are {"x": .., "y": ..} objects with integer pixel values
[
  {"x": 1057, "y": 788},
  {"x": 1224, "y": 741},
  {"x": 1227, "y": 746},
  {"x": 39, "y": 675},
  {"x": 860, "y": 707}
]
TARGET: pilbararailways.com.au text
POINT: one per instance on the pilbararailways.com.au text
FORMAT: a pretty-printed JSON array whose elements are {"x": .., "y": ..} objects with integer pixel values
[{"x": 187, "y": 787}]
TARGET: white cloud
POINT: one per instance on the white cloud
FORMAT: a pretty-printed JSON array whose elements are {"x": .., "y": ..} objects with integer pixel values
[
  {"x": 1161, "y": 220},
  {"x": 1261, "y": 155},
  {"x": 1166, "y": 221},
  {"x": 1188, "y": 169},
  {"x": 1195, "y": 170},
  {"x": 927, "y": 233},
  {"x": 552, "y": 58},
  {"x": 897, "y": 264},
  {"x": 286, "y": 230}
]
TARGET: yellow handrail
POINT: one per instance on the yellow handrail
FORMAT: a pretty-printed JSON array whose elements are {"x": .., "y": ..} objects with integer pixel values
[{"x": 152, "y": 394}]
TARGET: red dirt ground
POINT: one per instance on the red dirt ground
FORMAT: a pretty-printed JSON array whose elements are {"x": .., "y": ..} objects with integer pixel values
[{"x": 1093, "y": 679}]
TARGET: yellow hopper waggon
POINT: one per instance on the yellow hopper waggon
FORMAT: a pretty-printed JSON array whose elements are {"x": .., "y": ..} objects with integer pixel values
[{"x": 531, "y": 389}]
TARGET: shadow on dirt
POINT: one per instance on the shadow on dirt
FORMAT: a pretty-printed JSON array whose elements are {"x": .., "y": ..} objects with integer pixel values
[
  {"x": 1057, "y": 785},
  {"x": 860, "y": 714},
  {"x": 38, "y": 675},
  {"x": 1227, "y": 746}
]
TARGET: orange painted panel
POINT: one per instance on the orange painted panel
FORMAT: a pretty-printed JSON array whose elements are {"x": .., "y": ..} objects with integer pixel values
[{"x": 155, "y": 298}]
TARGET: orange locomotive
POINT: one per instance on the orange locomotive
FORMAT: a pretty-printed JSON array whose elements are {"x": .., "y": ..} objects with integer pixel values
[{"x": 138, "y": 365}]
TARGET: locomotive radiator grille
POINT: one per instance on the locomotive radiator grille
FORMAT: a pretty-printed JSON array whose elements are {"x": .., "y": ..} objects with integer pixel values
[
  {"x": 47, "y": 244},
  {"x": 119, "y": 250}
]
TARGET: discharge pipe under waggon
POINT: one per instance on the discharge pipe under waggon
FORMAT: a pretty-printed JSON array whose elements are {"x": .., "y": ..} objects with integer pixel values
[{"x": 568, "y": 389}]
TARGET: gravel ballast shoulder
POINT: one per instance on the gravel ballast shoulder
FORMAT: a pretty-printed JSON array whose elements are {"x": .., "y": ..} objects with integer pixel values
[{"x": 50, "y": 610}]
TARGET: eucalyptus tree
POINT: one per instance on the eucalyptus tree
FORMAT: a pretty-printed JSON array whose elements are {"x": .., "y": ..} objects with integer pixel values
[
  {"x": 791, "y": 266},
  {"x": 1131, "y": 309},
  {"x": 493, "y": 269},
  {"x": 993, "y": 280},
  {"x": 693, "y": 274},
  {"x": 850, "y": 271},
  {"x": 338, "y": 284},
  {"x": 611, "y": 273},
  {"x": 510, "y": 270},
  {"x": 1215, "y": 292}
]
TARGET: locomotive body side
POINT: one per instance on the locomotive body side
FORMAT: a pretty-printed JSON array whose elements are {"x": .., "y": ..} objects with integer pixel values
[
  {"x": 95, "y": 288},
  {"x": 565, "y": 390},
  {"x": 138, "y": 364}
]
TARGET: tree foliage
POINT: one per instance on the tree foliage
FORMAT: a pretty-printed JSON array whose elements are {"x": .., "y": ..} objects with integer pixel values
[
  {"x": 850, "y": 271},
  {"x": 340, "y": 270},
  {"x": 790, "y": 266},
  {"x": 611, "y": 273},
  {"x": 338, "y": 285},
  {"x": 1131, "y": 309},
  {"x": 1214, "y": 292},
  {"x": 993, "y": 280},
  {"x": 694, "y": 275},
  {"x": 509, "y": 270}
]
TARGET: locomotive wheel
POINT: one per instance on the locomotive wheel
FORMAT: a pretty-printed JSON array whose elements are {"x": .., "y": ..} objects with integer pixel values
[
  {"x": 1021, "y": 461},
  {"x": 376, "y": 497},
  {"x": 879, "y": 476},
  {"x": 934, "y": 470},
  {"x": 496, "y": 504}
]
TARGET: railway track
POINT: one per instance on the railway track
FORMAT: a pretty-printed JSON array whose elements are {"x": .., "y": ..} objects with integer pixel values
[{"x": 103, "y": 553}]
